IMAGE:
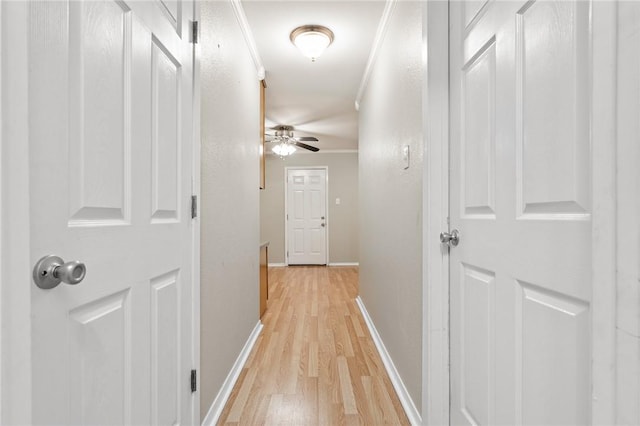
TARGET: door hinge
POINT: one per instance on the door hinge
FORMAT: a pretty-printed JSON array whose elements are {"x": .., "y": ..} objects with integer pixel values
[
  {"x": 194, "y": 206},
  {"x": 194, "y": 381},
  {"x": 194, "y": 32}
]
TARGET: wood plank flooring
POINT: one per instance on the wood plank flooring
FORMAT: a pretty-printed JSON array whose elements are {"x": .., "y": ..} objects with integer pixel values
[{"x": 315, "y": 362}]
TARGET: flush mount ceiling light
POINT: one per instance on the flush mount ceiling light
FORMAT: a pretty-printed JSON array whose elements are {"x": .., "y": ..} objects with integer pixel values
[{"x": 312, "y": 40}]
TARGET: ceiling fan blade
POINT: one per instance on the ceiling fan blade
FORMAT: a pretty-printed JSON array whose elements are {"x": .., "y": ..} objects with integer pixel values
[
  {"x": 307, "y": 139},
  {"x": 309, "y": 147}
]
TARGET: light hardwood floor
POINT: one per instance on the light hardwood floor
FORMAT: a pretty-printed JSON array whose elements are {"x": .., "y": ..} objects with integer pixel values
[{"x": 315, "y": 362}]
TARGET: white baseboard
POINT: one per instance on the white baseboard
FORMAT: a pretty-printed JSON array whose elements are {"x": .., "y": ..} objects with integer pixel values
[
  {"x": 403, "y": 395},
  {"x": 225, "y": 391},
  {"x": 277, "y": 265}
]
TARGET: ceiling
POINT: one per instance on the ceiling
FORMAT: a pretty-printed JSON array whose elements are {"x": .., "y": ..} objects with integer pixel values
[{"x": 317, "y": 98}]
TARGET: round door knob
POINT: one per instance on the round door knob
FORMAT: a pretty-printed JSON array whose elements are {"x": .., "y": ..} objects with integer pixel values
[
  {"x": 52, "y": 270},
  {"x": 71, "y": 272},
  {"x": 452, "y": 238}
]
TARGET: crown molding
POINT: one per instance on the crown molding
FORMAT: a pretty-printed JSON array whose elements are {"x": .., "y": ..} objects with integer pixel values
[
  {"x": 248, "y": 37},
  {"x": 375, "y": 47}
]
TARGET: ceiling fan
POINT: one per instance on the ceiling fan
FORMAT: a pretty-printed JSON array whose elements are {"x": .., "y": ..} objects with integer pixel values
[{"x": 286, "y": 142}]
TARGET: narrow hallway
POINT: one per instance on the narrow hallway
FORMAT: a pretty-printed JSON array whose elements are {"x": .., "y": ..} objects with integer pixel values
[{"x": 315, "y": 362}]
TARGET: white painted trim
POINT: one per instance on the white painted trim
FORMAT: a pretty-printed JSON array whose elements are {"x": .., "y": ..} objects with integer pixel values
[
  {"x": 2, "y": 214},
  {"x": 248, "y": 37},
  {"x": 344, "y": 264},
  {"x": 286, "y": 208},
  {"x": 195, "y": 230},
  {"x": 435, "y": 210},
  {"x": 403, "y": 395},
  {"x": 16, "y": 265},
  {"x": 277, "y": 265},
  {"x": 627, "y": 338},
  {"x": 375, "y": 47},
  {"x": 225, "y": 391},
  {"x": 604, "y": 280}
]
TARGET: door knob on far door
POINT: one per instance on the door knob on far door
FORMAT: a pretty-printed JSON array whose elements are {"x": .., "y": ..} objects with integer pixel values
[
  {"x": 52, "y": 270},
  {"x": 322, "y": 224},
  {"x": 452, "y": 238}
]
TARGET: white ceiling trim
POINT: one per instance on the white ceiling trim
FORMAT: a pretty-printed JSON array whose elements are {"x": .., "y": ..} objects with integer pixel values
[
  {"x": 377, "y": 42},
  {"x": 248, "y": 37}
]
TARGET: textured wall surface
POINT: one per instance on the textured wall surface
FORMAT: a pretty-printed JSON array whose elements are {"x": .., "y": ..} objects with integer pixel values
[
  {"x": 230, "y": 203},
  {"x": 343, "y": 218},
  {"x": 391, "y": 197}
]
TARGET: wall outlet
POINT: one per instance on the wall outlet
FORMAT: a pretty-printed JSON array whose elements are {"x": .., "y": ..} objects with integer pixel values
[{"x": 337, "y": 201}]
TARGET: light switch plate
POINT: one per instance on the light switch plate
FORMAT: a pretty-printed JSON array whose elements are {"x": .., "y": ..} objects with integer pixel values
[
  {"x": 406, "y": 156},
  {"x": 337, "y": 201}
]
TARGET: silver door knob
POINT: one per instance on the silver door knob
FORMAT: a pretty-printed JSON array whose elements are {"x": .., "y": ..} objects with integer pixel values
[
  {"x": 452, "y": 238},
  {"x": 52, "y": 270}
]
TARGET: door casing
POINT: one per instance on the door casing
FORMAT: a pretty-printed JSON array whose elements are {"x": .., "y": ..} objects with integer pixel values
[
  {"x": 435, "y": 199},
  {"x": 15, "y": 309},
  {"x": 286, "y": 209}
]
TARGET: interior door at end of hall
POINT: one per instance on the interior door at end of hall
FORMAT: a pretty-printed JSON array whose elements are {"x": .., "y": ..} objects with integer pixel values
[
  {"x": 111, "y": 166},
  {"x": 306, "y": 217},
  {"x": 520, "y": 173}
]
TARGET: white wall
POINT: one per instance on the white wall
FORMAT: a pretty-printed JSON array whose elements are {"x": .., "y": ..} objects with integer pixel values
[
  {"x": 343, "y": 218},
  {"x": 391, "y": 197},
  {"x": 229, "y": 196}
]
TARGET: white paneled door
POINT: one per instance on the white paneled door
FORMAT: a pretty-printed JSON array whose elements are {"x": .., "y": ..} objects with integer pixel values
[
  {"x": 306, "y": 217},
  {"x": 520, "y": 177},
  {"x": 111, "y": 152}
]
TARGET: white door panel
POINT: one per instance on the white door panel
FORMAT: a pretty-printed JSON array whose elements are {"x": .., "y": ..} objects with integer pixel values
[
  {"x": 520, "y": 185},
  {"x": 111, "y": 158},
  {"x": 306, "y": 217}
]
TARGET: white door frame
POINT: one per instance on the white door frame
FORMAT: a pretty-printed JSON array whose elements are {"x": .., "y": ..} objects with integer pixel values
[
  {"x": 195, "y": 223},
  {"x": 16, "y": 285},
  {"x": 604, "y": 210},
  {"x": 435, "y": 210},
  {"x": 16, "y": 282},
  {"x": 435, "y": 342},
  {"x": 286, "y": 208}
]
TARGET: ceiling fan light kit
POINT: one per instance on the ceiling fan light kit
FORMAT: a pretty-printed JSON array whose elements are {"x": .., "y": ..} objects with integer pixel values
[
  {"x": 286, "y": 142},
  {"x": 312, "y": 40},
  {"x": 283, "y": 149}
]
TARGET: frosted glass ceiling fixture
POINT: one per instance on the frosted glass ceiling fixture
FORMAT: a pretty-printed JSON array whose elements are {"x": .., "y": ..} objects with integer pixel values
[
  {"x": 283, "y": 149},
  {"x": 312, "y": 40}
]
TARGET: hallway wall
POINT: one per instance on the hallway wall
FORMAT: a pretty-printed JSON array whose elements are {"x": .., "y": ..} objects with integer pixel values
[
  {"x": 343, "y": 218},
  {"x": 391, "y": 197},
  {"x": 229, "y": 196}
]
